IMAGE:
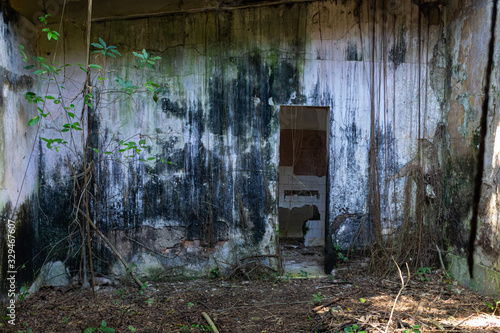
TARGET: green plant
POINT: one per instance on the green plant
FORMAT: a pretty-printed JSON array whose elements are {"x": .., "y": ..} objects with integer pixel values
[
  {"x": 353, "y": 328},
  {"x": 203, "y": 328},
  {"x": 286, "y": 278},
  {"x": 144, "y": 286},
  {"x": 51, "y": 34},
  {"x": 145, "y": 60},
  {"x": 422, "y": 273},
  {"x": 132, "y": 328},
  {"x": 340, "y": 255},
  {"x": 414, "y": 329},
  {"x": 318, "y": 297},
  {"x": 70, "y": 128},
  {"x": 493, "y": 307},
  {"x": 303, "y": 274},
  {"x": 215, "y": 273},
  {"x": 105, "y": 50},
  {"x": 190, "y": 304},
  {"x": 103, "y": 328},
  {"x": 23, "y": 293}
]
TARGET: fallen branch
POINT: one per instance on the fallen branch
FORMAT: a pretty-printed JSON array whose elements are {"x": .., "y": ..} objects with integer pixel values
[
  {"x": 403, "y": 285},
  {"x": 210, "y": 322},
  {"x": 441, "y": 259},
  {"x": 318, "y": 308}
]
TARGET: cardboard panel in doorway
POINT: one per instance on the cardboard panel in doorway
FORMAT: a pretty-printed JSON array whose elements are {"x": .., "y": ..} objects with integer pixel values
[{"x": 305, "y": 150}]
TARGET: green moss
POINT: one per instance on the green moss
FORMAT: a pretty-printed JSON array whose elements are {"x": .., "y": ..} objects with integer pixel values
[{"x": 486, "y": 280}]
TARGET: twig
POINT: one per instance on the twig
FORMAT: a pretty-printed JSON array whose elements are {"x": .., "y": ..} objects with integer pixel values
[
  {"x": 335, "y": 300},
  {"x": 441, "y": 259},
  {"x": 403, "y": 285},
  {"x": 210, "y": 322},
  {"x": 115, "y": 251}
]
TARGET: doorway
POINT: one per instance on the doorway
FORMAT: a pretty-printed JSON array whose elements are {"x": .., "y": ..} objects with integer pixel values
[{"x": 303, "y": 186}]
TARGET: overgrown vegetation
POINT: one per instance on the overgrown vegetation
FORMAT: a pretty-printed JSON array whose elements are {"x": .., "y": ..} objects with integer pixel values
[{"x": 67, "y": 125}]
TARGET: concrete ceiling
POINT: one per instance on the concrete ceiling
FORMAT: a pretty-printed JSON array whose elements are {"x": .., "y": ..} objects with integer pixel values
[{"x": 120, "y": 9}]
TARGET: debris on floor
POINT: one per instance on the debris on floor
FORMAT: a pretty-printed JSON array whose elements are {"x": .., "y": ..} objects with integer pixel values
[{"x": 350, "y": 301}]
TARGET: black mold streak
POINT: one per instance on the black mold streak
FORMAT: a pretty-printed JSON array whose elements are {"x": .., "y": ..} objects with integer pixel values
[{"x": 397, "y": 54}]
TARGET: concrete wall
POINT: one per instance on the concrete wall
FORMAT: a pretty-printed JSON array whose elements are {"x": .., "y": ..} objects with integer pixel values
[
  {"x": 403, "y": 90},
  {"x": 225, "y": 75},
  {"x": 18, "y": 153},
  {"x": 469, "y": 31}
]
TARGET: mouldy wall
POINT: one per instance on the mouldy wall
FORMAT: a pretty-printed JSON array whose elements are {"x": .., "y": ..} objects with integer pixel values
[
  {"x": 469, "y": 32},
  {"x": 413, "y": 76},
  {"x": 224, "y": 75},
  {"x": 18, "y": 173}
]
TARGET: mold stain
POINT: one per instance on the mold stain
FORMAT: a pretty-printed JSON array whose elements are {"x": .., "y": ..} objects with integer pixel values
[{"x": 397, "y": 54}]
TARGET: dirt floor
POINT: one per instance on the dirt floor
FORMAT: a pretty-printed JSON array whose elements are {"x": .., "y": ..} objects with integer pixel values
[{"x": 428, "y": 303}]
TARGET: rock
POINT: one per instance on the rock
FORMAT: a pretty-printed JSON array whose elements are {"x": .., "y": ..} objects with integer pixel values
[{"x": 52, "y": 274}]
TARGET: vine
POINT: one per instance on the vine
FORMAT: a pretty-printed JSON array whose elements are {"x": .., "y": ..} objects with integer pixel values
[{"x": 80, "y": 123}]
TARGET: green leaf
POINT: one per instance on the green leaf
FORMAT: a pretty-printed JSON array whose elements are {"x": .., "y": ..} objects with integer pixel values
[
  {"x": 34, "y": 121},
  {"x": 96, "y": 150},
  {"x": 151, "y": 158},
  {"x": 21, "y": 49},
  {"x": 115, "y": 51},
  {"x": 95, "y": 66},
  {"x": 97, "y": 45},
  {"x": 29, "y": 67},
  {"x": 142, "y": 142},
  {"x": 71, "y": 114},
  {"x": 30, "y": 96},
  {"x": 102, "y": 42},
  {"x": 39, "y": 71}
]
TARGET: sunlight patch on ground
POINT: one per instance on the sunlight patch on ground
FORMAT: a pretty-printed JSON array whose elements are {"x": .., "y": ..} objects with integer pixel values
[{"x": 481, "y": 320}]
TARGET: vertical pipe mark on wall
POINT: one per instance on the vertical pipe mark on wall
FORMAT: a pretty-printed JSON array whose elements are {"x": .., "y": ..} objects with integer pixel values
[
  {"x": 394, "y": 165},
  {"x": 420, "y": 184},
  {"x": 374, "y": 192},
  {"x": 482, "y": 136}
]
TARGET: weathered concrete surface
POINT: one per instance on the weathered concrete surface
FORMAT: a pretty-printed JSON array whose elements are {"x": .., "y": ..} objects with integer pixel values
[
  {"x": 225, "y": 75},
  {"x": 412, "y": 79},
  {"x": 18, "y": 156},
  {"x": 470, "y": 34}
]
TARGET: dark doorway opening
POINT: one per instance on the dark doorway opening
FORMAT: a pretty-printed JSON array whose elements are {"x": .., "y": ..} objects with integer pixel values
[{"x": 302, "y": 186}]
